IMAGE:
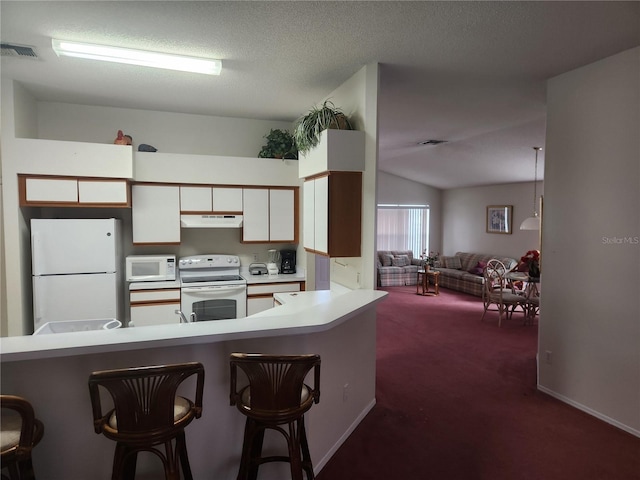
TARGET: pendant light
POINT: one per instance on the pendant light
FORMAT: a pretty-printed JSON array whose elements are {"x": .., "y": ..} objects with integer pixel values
[{"x": 533, "y": 223}]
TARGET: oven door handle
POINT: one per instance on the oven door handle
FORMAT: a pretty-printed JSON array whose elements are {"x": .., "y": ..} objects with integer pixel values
[{"x": 214, "y": 289}]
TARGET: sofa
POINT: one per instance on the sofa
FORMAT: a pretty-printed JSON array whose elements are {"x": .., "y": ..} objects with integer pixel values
[
  {"x": 396, "y": 268},
  {"x": 463, "y": 271}
]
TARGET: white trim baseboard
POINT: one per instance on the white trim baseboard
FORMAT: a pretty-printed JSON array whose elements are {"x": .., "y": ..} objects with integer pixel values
[
  {"x": 590, "y": 411},
  {"x": 319, "y": 465}
]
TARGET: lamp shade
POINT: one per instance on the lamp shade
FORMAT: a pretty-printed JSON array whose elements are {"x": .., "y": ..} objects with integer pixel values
[{"x": 531, "y": 223}]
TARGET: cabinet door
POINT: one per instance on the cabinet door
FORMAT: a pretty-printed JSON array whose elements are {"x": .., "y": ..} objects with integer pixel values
[
  {"x": 154, "y": 314},
  {"x": 54, "y": 190},
  {"x": 155, "y": 214},
  {"x": 259, "y": 304},
  {"x": 227, "y": 199},
  {"x": 282, "y": 215},
  {"x": 103, "y": 192},
  {"x": 321, "y": 215},
  {"x": 308, "y": 210},
  {"x": 195, "y": 199},
  {"x": 255, "y": 224}
]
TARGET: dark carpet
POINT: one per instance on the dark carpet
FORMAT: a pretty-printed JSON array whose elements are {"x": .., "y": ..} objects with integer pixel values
[{"x": 457, "y": 399}]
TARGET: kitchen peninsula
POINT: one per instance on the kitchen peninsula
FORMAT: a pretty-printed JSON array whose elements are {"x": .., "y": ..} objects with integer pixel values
[{"x": 52, "y": 371}]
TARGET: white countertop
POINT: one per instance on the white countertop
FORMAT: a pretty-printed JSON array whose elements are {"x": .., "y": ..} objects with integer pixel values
[{"x": 323, "y": 310}]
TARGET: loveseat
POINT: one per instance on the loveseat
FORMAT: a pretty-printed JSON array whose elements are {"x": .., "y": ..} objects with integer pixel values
[
  {"x": 397, "y": 268},
  {"x": 463, "y": 271}
]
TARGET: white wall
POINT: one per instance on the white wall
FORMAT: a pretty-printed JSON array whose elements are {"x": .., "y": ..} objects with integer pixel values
[
  {"x": 168, "y": 132},
  {"x": 590, "y": 312},
  {"x": 16, "y": 244},
  {"x": 464, "y": 219},
  {"x": 400, "y": 191},
  {"x": 358, "y": 99}
]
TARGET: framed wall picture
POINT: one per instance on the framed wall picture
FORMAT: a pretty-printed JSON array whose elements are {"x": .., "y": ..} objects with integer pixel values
[{"x": 499, "y": 218}]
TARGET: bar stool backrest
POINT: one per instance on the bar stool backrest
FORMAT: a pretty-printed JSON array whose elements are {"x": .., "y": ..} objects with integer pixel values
[
  {"x": 276, "y": 392},
  {"x": 18, "y": 416},
  {"x": 144, "y": 399}
]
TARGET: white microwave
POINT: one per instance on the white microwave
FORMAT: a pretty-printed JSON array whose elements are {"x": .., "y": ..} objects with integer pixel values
[{"x": 150, "y": 268}]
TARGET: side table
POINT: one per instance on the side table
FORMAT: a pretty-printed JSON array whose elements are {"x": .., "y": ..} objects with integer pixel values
[{"x": 423, "y": 281}]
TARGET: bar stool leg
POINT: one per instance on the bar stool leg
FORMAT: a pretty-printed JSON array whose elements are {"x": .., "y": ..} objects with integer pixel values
[
  {"x": 181, "y": 444},
  {"x": 293, "y": 441},
  {"x": 306, "y": 455}
]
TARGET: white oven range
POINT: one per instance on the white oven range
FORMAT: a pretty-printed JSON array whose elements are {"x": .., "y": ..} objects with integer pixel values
[{"x": 211, "y": 288}]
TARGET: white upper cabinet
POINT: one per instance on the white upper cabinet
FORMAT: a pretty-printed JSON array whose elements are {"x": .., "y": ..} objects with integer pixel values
[
  {"x": 269, "y": 215},
  {"x": 210, "y": 199},
  {"x": 332, "y": 214},
  {"x": 155, "y": 214},
  {"x": 51, "y": 190},
  {"x": 227, "y": 199},
  {"x": 282, "y": 215},
  {"x": 308, "y": 210},
  {"x": 103, "y": 192},
  {"x": 73, "y": 192},
  {"x": 255, "y": 221},
  {"x": 195, "y": 199}
]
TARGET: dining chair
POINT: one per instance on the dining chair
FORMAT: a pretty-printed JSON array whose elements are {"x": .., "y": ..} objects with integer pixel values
[
  {"x": 498, "y": 292},
  {"x": 20, "y": 432},
  {"x": 275, "y": 398},
  {"x": 147, "y": 414}
]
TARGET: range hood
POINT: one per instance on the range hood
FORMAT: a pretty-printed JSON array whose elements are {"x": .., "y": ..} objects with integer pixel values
[{"x": 210, "y": 221}]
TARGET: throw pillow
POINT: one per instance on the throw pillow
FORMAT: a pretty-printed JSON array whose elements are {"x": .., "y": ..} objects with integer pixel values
[
  {"x": 387, "y": 260},
  {"x": 452, "y": 262},
  {"x": 400, "y": 261},
  {"x": 478, "y": 269}
]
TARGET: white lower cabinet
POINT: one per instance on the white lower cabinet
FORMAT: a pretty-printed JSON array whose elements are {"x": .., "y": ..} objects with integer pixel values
[
  {"x": 154, "y": 307},
  {"x": 260, "y": 296},
  {"x": 259, "y": 304},
  {"x": 155, "y": 214}
]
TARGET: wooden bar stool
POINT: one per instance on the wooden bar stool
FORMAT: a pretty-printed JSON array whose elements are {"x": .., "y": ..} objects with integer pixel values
[
  {"x": 147, "y": 414},
  {"x": 21, "y": 431},
  {"x": 276, "y": 398}
]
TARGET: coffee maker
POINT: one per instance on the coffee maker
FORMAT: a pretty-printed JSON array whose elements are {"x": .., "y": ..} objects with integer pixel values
[{"x": 288, "y": 261}]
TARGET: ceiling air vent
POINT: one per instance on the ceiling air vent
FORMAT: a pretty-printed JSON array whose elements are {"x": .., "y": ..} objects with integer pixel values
[
  {"x": 432, "y": 142},
  {"x": 12, "y": 50}
]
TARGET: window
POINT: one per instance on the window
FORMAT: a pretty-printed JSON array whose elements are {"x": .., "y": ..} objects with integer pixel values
[{"x": 403, "y": 227}]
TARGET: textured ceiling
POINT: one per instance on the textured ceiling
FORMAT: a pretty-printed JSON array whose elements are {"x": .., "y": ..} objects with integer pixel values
[{"x": 471, "y": 73}]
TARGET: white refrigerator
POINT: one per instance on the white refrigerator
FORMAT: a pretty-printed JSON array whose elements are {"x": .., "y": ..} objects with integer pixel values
[{"x": 77, "y": 269}]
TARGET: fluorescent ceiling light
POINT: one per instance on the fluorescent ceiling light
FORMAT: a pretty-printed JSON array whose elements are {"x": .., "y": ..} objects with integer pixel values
[{"x": 208, "y": 66}]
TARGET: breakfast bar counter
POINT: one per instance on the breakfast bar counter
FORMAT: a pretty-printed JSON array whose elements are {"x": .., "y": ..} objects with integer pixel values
[{"x": 52, "y": 372}]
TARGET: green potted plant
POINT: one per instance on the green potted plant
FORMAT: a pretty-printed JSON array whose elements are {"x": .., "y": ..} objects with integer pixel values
[
  {"x": 308, "y": 128},
  {"x": 280, "y": 144}
]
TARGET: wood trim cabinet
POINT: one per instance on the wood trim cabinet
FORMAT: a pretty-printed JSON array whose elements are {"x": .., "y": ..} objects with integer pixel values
[
  {"x": 199, "y": 199},
  {"x": 155, "y": 214},
  {"x": 45, "y": 191},
  {"x": 154, "y": 306},
  {"x": 270, "y": 215},
  {"x": 260, "y": 296},
  {"x": 333, "y": 214}
]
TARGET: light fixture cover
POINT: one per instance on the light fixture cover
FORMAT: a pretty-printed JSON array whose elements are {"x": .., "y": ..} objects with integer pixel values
[
  {"x": 207, "y": 66},
  {"x": 531, "y": 223}
]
